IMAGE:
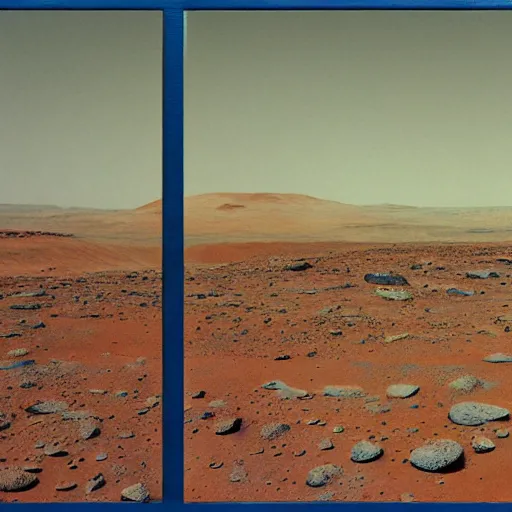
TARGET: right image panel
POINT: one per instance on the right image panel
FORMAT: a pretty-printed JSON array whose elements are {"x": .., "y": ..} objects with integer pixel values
[{"x": 348, "y": 256}]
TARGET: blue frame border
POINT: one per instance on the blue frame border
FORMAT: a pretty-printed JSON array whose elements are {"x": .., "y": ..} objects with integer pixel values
[{"x": 173, "y": 262}]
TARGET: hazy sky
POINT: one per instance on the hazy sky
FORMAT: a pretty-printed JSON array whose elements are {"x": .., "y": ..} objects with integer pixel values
[
  {"x": 81, "y": 108},
  {"x": 359, "y": 107}
]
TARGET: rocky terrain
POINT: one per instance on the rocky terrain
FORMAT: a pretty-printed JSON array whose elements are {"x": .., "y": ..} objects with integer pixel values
[
  {"x": 80, "y": 362},
  {"x": 348, "y": 372}
]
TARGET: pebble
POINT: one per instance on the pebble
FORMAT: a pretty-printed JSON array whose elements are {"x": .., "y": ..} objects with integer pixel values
[
  {"x": 365, "y": 451},
  {"x": 55, "y": 451},
  {"x": 498, "y": 358},
  {"x": 128, "y": 434},
  {"x": 402, "y": 390},
  {"x": 274, "y": 430},
  {"x": 406, "y": 497},
  {"x": 66, "y": 486},
  {"x": 482, "y": 444},
  {"x": 17, "y": 352},
  {"x": 15, "y": 480},
  {"x": 325, "y": 444},
  {"x": 137, "y": 492},
  {"x": 101, "y": 456},
  {"x": 97, "y": 391},
  {"x": 239, "y": 473},
  {"x": 89, "y": 430},
  {"x": 436, "y": 455},
  {"x": 502, "y": 433},
  {"x": 199, "y": 394},
  {"x": 229, "y": 426},
  {"x": 322, "y": 475},
  {"x": 95, "y": 483},
  {"x": 338, "y": 430},
  {"x": 216, "y": 465},
  {"x": 386, "y": 279},
  {"x": 475, "y": 413}
]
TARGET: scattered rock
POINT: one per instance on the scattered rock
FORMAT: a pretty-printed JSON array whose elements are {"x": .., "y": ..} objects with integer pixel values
[
  {"x": 274, "y": 430},
  {"x": 365, "y": 451},
  {"x": 474, "y": 413},
  {"x": 17, "y": 352},
  {"x": 406, "y": 497},
  {"x": 16, "y": 480},
  {"x": 229, "y": 426},
  {"x": 498, "y": 358},
  {"x": 137, "y": 492},
  {"x": 95, "y": 483},
  {"x": 322, "y": 475},
  {"x": 386, "y": 279},
  {"x": 299, "y": 267},
  {"x": 436, "y": 455},
  {"x": 239, "y": 473},
  {"x": 402, "y": 390},
  {"x": 399, "y": 295},
  {"x": 482, "y": 444},
  {"x": 462, "y": 293},
  {"x": 325, "y": 444},
  {"x": 199, "y": 394},
  {"x": 338, "y": 430},
  {"x": 88, "y": 430},
  {"x": 397, "y": 337},
  {"x": 482, "y": 274},
  {"x": 66, "y": 486},
  {"x": 344, "y": 391},
  {"x": 502, "y": 433}
]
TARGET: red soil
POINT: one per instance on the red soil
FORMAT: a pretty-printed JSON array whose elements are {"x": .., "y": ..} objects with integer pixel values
[
  {"x": 240, "y": 316},
  {"x": 101, "y": 330}
]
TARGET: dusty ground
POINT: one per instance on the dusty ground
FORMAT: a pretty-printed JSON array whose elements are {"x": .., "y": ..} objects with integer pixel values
[
  {"x": 241, "y": 316},
  {"x": 88, "y": 326}
]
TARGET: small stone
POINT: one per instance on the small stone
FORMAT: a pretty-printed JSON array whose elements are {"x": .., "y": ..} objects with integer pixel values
[
  {"x": 502, "y": 433},
  {"x": 299, "y": 453},
  {"x": 322, "y": 475},
  {"x": 229, "y": 426},
  {"x": 32, "y": 469},
  {"x": 406, "y": 497},
  {"x": 121, "y": 394},
  {"x": 101, "y": 457},
  {"x": 482, "y": 444},
  {"x": 217, "y": 403},
  {"x": 338, "y": 430},
  {"x": 364, "y": 451},
  {"x": 153, "y": 401},
  {"x": 17, "y": 352},
  {"x": 325, "y": 444},
  {"x": 498, "y": 358},
  {"x": 436, "y": 455},
  {"x": 88, "y": 430},
  {"x": 402, "y": 390},
  {"x": 97, "y": 391},
  {"x": 39, "y": 444},
  {"x": 199, "y": 394},
  {"x": 95, "y": 483},
  {"x": 216, "y": 465},
  {"x": 137, "y": 492},
  {"x": 238, "y": 474},
  {"x": 66, "y": 486},
  {"x": 274, "y": 430},
  {"x": 15, "y": 480},
  {"x": 55, "y": 451},
  {"x": 127, "y": 434}
]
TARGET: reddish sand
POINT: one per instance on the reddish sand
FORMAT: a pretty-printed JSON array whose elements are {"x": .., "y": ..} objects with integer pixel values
[
  {"x": 100, "y": 335},
  {"x": 243, "y": 309}
]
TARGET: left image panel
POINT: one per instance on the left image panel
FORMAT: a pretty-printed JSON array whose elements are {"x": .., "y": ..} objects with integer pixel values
[{"x": 80, "y": 256}]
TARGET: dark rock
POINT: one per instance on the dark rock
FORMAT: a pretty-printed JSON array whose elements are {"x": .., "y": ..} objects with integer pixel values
[{"x": 386, "y": 279}]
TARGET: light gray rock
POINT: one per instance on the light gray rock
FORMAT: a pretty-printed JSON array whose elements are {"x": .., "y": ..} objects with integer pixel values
[
  {"x": 436, "y": 455},
  {"x": 498, "y": 358},
  {"x": 344, "y": 391},
  {"x": 475, "y": 413},
  {"x": 15, "y": 480},
  {"x": 402, "y": 390},
  {"x": 364, "y": 451},
  {"x": 274, "y": 430},
  {"x": 322, "y": 475}
]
